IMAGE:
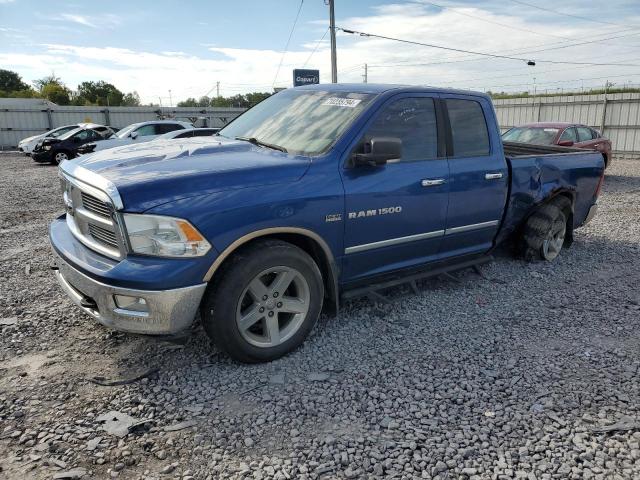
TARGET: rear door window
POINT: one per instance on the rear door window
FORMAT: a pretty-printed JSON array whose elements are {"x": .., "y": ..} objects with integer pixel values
[
  {"x": 569, "y": 135},
  {"x": 584, "y": 134},
  {"x": 469, "y": 131}
]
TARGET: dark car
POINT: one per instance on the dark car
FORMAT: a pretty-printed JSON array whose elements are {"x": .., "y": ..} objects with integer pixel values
[
  {"x": 65, "y": 147},
  {"x": 562, "y": 134}
]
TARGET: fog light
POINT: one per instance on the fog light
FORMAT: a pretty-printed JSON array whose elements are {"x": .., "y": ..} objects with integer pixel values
[{"x": 136, "y": 304}]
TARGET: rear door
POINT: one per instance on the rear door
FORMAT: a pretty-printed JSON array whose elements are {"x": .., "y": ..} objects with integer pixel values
[
  {"x": 395, "y": 213},
  {"x": 478, "y": 176}
]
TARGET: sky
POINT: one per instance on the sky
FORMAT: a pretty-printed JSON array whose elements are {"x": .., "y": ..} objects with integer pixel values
[{"x": 186, "y": 47}]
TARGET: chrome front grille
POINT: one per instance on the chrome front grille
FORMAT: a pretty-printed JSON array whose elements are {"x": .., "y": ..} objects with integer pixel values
[
  {"x": 91, "y": 218},
  {"x": 103, "y": 235},
  {"x": 95, "y": 205}
]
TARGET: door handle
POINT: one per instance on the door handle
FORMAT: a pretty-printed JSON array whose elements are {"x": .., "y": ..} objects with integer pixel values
[
  {"x": 492, "y": 176},
  {"x": 432, "y": 182}
]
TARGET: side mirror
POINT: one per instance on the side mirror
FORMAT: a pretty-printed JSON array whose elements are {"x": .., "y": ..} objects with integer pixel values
[
  {"x": 565, "y": 143},
  {"x": 381, "y": 151},
  {"x": 133, "y": 135}
]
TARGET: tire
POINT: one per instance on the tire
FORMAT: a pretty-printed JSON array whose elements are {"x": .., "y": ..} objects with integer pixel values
[
  {"x": 242, "y": 312},
  {"x": 546, "y": 230},
  {"x": 59, "y": 157}
]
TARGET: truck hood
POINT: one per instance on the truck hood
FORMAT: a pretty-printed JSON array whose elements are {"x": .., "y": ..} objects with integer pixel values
[{"x": 149, "y": 174}]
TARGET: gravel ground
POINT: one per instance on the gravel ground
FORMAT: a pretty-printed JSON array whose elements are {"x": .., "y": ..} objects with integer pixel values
[{"x": 531, "y": 371}]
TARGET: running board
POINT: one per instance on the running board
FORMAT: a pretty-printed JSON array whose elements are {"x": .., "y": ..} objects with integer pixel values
[{"x": 372, "y": 289}]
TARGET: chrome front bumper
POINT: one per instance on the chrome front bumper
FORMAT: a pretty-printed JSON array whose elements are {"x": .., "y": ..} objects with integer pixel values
[{"x": 168, "y": 311}]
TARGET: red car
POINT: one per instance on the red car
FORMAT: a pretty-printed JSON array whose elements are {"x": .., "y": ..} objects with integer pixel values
[{"x": 562, "y": 134}]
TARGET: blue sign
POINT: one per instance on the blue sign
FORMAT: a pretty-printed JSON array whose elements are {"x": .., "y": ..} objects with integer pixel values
[{"x": 305, "y": 77}]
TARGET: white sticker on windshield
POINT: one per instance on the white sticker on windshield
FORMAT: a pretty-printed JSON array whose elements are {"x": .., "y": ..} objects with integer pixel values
[
  {"x": 342, "y": 102},
  {"x": 549, "y": 129}
]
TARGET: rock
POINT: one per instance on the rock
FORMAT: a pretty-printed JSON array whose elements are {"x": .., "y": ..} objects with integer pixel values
[
  {"x": 117, "y": 423},
  {"x": 318, "y": 377},
  {"x": 168, "y": 469},
  {"x": 5, "y": 322},
  {"x": 277, "y": 379},
  {"x": 70, "y": 474},
  {"x": 93, "y": 443},
  {"x": 248, "y": 442},
  {"x": 180, "y": 426}
]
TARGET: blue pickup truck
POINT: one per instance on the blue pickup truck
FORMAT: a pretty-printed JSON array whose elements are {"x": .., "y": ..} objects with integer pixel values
[{"x": 314, "y": 193}]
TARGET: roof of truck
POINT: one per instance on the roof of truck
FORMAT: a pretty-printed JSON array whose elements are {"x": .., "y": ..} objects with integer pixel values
[{"x": 377, "y": 88}]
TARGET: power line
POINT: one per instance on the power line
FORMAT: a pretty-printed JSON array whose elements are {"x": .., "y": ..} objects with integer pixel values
[
  {"x": 286, "y": 47},
  {"x": 556, "y": 12},
  {"x": 491, "y": 55},
  {"x": 449, "y": 60},
  {"x": 316, "y": 47},
  {"x": 454, "y": 10},
  {"x": 517, "y": 52}
]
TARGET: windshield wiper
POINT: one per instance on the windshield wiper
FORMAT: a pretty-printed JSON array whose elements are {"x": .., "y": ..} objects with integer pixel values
[{"x": 260, "y": 143}]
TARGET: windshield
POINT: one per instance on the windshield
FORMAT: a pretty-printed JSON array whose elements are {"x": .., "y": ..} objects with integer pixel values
[
  {"x": 61, "y": 131},
  {"x": 535, "y": 135},
  {"x": 305, "y": 122},
  {"x": 70, "y": 133},
  {"x": 125, "y": 131}
]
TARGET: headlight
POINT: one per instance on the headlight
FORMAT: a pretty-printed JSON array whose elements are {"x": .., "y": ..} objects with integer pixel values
[
  {"x": 164, "y": 236},
  {"x": 47, "y": 147}
]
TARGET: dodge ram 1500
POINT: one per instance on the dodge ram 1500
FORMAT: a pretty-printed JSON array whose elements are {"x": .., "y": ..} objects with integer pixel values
[{"x": 311, "y": 194}]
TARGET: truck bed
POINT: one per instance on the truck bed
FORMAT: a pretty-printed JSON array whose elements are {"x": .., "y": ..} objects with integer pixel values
[{"x": 538, "y": 172}]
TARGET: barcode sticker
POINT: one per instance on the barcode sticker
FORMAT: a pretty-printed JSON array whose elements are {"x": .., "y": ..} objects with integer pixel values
[{"x": 342, "y": 102}]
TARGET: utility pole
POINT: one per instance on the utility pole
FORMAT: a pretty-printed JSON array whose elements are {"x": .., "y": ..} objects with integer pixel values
[
  {"x": 170, "y": 99},
  {"x": 332, "y": 27},
  {"x": 218, "y": 89},
  {"x": 365, "y": 74}
]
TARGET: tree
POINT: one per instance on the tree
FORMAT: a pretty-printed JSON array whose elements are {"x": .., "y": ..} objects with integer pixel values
[
  {"x": 56, "y": 93},
  {"x": 48, "y": 80},
  {"x": 131, "y": 99},
  {"x": 11, "y": 81},
  {"x": 100, "y": 93},
  {"x": 189, "y": 102}
]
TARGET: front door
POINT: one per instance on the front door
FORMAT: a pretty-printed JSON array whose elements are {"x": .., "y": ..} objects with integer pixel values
[{"x": 395, "y": 213}]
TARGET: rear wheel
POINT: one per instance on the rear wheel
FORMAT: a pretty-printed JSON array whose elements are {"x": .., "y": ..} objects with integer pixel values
[
  {"x": 264, "y": 301},
  {"x": 546, "y": 230}
]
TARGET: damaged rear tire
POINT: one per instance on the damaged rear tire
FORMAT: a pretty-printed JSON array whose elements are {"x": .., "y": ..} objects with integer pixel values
[{"x": 546, "y": 230}]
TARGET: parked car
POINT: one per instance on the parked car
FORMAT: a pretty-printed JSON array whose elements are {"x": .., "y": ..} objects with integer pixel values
[
  {"x": 137, "y": 133},
  {"x": 188, "y": 133},
  {"x": 65, "y": 147},
  {"x": 561, "y": 134},
  {"x": 317, "y": 193},
  {"x": 27, "y": 145}
]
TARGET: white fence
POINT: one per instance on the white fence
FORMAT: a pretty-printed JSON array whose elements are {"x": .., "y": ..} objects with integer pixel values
[
  {"x": 20, "y": 120},
  {"x": 617, "y": 115}
]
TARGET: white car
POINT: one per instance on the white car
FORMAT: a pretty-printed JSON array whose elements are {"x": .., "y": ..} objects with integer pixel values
[
  {"x": 188, "y": 133},
  {"x": 27, "y": 145},
  {"x": 136, "y": 133}
]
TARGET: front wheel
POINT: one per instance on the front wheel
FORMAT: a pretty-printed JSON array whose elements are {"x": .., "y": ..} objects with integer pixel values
[
  {"x": 60, "y": 157},
  {"x": 264, "y": 301}
]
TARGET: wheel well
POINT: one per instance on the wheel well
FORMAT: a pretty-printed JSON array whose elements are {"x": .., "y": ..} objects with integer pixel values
[{"x": 314, "y": 250}]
